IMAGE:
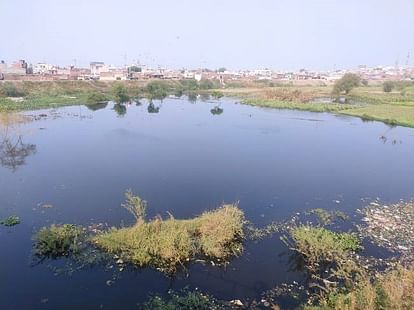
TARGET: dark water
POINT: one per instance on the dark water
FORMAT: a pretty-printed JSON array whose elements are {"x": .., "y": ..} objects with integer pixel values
[{"x": 185, "y": 160}]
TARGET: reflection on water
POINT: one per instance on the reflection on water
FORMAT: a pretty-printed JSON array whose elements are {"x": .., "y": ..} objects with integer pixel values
[
  {"x": 13, "y": 151},
  {"x": 120, "y": 109},
  {"x": 216, "y": 110},
  {"x": 97, "y": 106},
  {"x": 152, "y": 108}
]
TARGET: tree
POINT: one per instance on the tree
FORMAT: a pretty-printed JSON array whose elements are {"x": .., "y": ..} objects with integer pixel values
[
  {"x": 120, "y": 93},
  {"x": 346, "y": 83},
  {"x": 364, "y": 82},
  {"x": 222, "y": 69},
  {"x": 388, "y": 86}
]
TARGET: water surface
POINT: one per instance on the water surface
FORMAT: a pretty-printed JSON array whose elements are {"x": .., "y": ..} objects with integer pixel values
[{"x": 183, "y": 159}]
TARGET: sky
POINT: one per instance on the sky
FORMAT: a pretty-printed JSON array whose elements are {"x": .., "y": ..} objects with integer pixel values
[{"x": 236, "y": 34}]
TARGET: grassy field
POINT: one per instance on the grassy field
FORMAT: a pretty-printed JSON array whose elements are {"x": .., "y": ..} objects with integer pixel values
[{"x": 366, "y": 102}]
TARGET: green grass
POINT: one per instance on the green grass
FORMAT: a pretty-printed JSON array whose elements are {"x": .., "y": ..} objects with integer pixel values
[
  {"x": 185, "y": 300},
  {"x": 166, "y": 244},
  {"x": 312, "y": 107},
  {"x": 10, "y": 221},
  {"x": 389, "y": 114},
  {"x": 320, "y": 244}
]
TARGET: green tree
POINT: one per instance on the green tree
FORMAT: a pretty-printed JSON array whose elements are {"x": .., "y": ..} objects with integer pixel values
[
  {"x": 120, "y": 93},
  {"x": 346, "y": 83},
  {"x": 388, "y": 86}
]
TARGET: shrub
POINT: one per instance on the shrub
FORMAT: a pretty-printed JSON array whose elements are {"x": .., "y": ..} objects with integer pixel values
[
  {"x": 217, "y": 94},
  {"x": 95, "y": 97},
  {"x": 120, "y": 93},
  {"x": 157, "y": 89},
  {"x": 58, "y": 240}
]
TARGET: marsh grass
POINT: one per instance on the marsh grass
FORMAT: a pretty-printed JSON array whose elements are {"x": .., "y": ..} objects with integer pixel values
[
  {"x": 166, "y": 244},
  {"x": 58, "y": 241},
  {"x": 184, "y": 300},
  {"x": 392, "y": 290},
  {"x": 327, "y": 258}
]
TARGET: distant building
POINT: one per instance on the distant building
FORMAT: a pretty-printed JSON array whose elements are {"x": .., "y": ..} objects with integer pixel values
[
  {"x": 97, "y": 67},
  {"x": 17, "y": 68}
]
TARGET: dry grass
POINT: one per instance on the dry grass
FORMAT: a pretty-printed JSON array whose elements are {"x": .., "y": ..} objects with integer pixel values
[
  {"x": 393, "y": 290},
  {"x": 165, "y": 244}
]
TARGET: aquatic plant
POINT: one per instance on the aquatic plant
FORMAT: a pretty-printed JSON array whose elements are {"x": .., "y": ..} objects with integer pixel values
[
  {"x": 164, "y": 244},
  {"x": 326, "y": 256},
  {"x": 327, "y": 217},
  {"x": 184, "y": 300},
  {"x": 58, "y": 240},
  {"x": 10, "y": 221}
]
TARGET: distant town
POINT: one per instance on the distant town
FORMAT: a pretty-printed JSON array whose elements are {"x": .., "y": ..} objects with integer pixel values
[{"x": 21, "y": 70}]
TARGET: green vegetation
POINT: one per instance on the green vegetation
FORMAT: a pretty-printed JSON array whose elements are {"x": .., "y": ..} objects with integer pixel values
[
  {"x": 120, "y": 93},
  {"x": 58, "y": 241},
  {"x": 217, "y": 94},
  {"x": 318, "y": 244},
  {"x": 157, "y": 89},
  {"x": 346, "y": 84},
  {"x": 312, "y": 107},
  {"x": 187, "y": 300},
  {"x": 165, "y": 244},
  {"x": 8, "y": 89},
  {"x": 327, "y": 257},
  {"x": 393, "y": 290},
  {"x": 10, "y": 221},
  {"x": 96, "y": 97},
  {"x": 327, "y": 217},
  {"x": 388, "y": 86}
]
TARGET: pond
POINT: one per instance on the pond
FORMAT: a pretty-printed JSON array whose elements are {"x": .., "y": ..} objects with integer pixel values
[{"x": 183, "y": 157}]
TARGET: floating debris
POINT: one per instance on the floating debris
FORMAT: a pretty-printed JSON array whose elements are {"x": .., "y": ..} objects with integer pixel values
[{"x": 390, "y": 226}]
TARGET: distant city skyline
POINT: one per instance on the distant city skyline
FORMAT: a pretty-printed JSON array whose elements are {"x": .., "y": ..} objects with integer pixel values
[{"x": 278, "y": 34}]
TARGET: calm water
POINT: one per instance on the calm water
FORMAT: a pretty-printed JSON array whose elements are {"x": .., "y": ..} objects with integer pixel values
[{"x": 184, "y": 160}]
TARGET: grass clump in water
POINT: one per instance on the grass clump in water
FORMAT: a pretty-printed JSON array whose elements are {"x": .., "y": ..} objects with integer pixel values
[
  {"x": 326, "y": 217},
  {"x": 10, "y": 221},
  {"x": 186, "y": 300},
  {"x": 327, "y": 257},
  {"x": 318, "y": 244},
  {"x": 392, "y": 290},
  {"x": 58, "y": 241},
  {"x": 165, "y": 244}
]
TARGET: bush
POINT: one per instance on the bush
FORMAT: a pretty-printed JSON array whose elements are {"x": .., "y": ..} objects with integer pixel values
[
  {"x": 120, "y": 93},
  {"x": 157, "y": 89},
  {"x": 57, "y": 241},
  {"x": 8, "y": 89},
  {"x": 388, "y": 86},
  {"x": 96, "y": 97},
  {"x": 208, "y": 84},
  {"x": 346, "y": 83}
]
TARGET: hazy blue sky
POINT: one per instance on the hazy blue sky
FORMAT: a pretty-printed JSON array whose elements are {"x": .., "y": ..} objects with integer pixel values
[{"x": 279, "y": 34}]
